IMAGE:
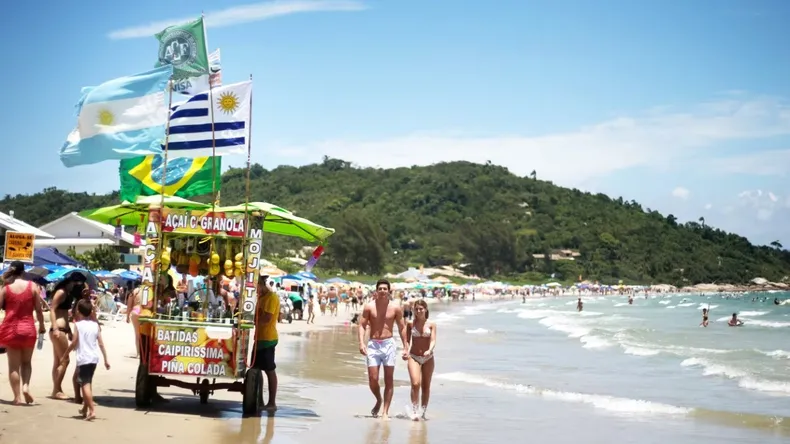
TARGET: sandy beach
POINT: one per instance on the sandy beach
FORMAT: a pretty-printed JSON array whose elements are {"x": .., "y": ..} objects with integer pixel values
[{"x": 180, "y": 420}]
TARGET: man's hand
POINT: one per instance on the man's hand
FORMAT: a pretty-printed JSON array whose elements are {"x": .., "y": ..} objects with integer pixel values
[{"x": 363, "y": 349}]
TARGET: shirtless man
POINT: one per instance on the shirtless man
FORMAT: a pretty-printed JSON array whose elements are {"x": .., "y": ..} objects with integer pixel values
[{"x": 382, "y": 316}]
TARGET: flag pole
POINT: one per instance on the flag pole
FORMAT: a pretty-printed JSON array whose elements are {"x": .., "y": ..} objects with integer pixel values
[
  {"x": 214, "y": 193},
  {"x": 161, "y": 245},
  {"x": 249, "y": 153}
]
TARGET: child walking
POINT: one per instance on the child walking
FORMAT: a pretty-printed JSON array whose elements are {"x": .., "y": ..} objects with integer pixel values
[{"x": 88, "y": 343}]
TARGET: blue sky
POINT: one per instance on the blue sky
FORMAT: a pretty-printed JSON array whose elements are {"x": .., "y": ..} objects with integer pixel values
[{"x": 683, "y": 106}]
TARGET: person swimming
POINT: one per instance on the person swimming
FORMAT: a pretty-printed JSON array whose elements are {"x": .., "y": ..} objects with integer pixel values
[
  {"x": 705, "y": 314},
  {"x": 579, "y": 305},
  {"x": 734, "y": 321}
]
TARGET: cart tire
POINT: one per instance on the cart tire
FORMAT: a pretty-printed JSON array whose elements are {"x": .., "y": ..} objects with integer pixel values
[
  {"x": 143, "y": 388},
  {"x": 204, "y": 392},
  {"x": 290, "y": 318},
  {"x": 253, "y": 392}
]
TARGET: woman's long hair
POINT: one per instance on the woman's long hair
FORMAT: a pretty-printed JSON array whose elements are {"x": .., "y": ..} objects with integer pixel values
[
  {"x": 14, "y": 272},
  {"x": 76, "y": 283},
  {"x": 423, "y": 304}
]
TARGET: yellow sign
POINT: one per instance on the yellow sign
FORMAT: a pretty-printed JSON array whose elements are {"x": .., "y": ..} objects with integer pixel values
[{"x": 18, "y": 246}]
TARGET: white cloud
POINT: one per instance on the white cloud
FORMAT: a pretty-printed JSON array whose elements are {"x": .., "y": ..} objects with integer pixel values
[
  {"x": 661, "y": 137},
  {"x": 763, "y": 203},
  {"x": 708, "y": 206},
  {"x": 243, "y": 14},
  {"x": 681, "y": 193}
]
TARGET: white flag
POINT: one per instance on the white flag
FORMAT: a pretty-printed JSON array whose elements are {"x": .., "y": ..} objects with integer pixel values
[{"x": 190, "y": 123}]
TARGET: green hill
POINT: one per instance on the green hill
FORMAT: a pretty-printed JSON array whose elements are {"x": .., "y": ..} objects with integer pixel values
[{"x": 481, "y": 215}]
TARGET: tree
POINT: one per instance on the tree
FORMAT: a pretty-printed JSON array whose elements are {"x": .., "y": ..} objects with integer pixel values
[
  {"x": 776, "y": 244},
  {"x": 489, "y": 247},
  {"x": 103, "y": 257},
  {"x": 702, "y": 221},
  {"x": 359, "y": 243},
  {"x": 534, "y": 175}
]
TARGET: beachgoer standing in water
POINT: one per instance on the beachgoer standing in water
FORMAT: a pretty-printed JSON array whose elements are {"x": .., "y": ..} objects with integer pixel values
[
  {"x": 380, "y": 350},
  {"x": 422, "y": 337},
  {"x": 579, "y": 305},
  {"x": 705, "y": 314}
]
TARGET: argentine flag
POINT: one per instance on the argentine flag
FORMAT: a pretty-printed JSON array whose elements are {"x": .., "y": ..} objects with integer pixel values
[
  {"x": 190, "y": 122},
  {"x": 120, "y": 119}
]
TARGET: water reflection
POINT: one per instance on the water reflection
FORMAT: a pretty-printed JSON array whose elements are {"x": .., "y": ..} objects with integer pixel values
[
  {"x": 379, "y": 432},
  {"x": 418, "y": 434},
  {"x": 329, "y": 355}
]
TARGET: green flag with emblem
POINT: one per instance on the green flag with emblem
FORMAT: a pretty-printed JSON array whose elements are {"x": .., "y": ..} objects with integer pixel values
[
  {"x": 184, "y": 47},
  {"x": 183, "y": 177}
]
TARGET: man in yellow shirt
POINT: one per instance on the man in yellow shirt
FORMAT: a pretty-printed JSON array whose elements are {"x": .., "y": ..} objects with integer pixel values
[{"x": 267, "y": 312}]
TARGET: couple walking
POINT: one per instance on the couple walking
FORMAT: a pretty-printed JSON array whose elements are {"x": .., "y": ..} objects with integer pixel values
[{"x": 419, "y": 339}]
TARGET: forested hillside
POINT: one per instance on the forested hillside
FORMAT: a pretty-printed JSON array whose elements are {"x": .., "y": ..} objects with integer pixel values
[{"x": 479, "y": 215}]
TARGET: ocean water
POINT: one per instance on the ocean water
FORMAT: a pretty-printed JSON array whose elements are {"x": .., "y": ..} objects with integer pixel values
[
  {"x": 648, "y": 363},
  {"x": 540, "y": 371}
]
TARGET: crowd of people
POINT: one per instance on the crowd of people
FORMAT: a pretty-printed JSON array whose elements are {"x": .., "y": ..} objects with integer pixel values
[
  {"x": 74, "y": 328},
  {"x": 21, "y": 299}
]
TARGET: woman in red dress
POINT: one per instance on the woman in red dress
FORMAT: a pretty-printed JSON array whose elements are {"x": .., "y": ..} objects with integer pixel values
[{"x": 18, "y": 335}]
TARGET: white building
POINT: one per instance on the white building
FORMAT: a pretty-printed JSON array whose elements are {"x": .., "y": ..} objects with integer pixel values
[
  {"x": 9, "y": 223},
  {"x": 82, "y": 234}
]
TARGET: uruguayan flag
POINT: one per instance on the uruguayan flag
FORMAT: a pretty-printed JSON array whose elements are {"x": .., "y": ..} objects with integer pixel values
[
  {"x": 119, "y": 119},
  {"x": 190, "y": 122}
]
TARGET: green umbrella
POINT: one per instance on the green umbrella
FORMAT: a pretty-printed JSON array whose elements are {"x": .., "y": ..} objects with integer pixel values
[
  {"x": 134, "y": 213},
  {"x": 281, "y": 221}
]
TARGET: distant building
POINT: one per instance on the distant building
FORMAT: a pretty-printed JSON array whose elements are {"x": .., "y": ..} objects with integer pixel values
[
  {"x": 559, "y": 255},
  {"x": 9, "y": 223},
  {"x": 83, "y": 234}
]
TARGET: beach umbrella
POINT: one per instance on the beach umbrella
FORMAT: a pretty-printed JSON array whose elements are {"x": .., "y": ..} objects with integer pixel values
[
  {"x": 58, "y": 276},
  {"x": 272, "y": 272},
  {"x": 337, "y": 280},
  {"x": 34, "y": 274},
  {"x": 105, "y": 274},
  {"x": 135, "y": 213},
  {"x": 307, "y": 275},
  {"x": 277, "y": 220}
]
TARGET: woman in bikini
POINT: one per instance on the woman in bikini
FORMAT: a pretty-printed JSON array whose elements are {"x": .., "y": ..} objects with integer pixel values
[
  {"x": 421, "y": 335},
  {"x": 66, "y": 292},
  {"x": 133, "y": 314}
]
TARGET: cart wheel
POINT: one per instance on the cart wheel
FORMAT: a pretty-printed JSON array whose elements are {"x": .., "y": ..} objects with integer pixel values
[
  {"x": 253, "y": 392},
  {"x": 204, "y": 392},
  {"x": 143, "y": 388},
  {"x": 290, "y": 318}
]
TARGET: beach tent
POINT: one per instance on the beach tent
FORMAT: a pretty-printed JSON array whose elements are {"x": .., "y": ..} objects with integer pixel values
[{"x": 51, "y": 256}]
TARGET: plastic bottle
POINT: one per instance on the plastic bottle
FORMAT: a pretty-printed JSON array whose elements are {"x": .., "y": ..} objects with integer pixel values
[{"x": 40, "y": 343}]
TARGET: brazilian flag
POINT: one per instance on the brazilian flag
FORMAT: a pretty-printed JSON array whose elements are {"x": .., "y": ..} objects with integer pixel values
[{"x": 184, "y": 177}]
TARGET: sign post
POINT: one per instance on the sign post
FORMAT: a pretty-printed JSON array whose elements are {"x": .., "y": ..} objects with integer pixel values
[{"x": 18, "y": 246}]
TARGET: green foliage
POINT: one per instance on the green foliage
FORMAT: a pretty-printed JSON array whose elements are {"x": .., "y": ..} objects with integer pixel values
[
  {"x": 103, "y": 257},
  {"x": 480, "y": 215}
]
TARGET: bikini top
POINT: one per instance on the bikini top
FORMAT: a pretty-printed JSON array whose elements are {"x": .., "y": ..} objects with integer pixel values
[{"x": 416, "y": 333}]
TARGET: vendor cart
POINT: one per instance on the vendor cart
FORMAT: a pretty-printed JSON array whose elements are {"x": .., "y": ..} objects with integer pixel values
[{"x": 209, "y": 341}]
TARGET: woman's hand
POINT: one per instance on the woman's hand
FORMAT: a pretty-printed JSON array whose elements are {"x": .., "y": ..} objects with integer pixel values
[
  {"x": 405, "y": 355},
  {"x": 428, "y": 353},
  {"x": 56, "y": 333}
]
